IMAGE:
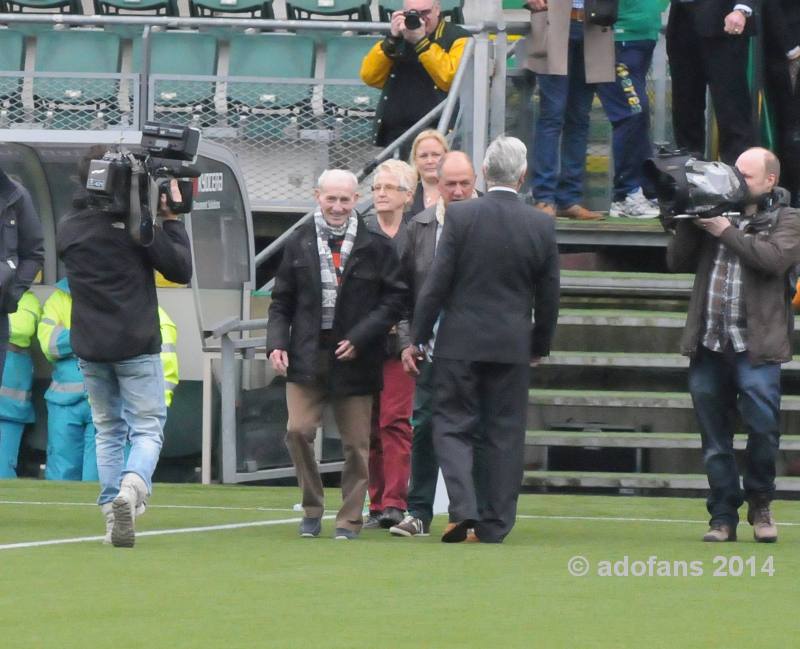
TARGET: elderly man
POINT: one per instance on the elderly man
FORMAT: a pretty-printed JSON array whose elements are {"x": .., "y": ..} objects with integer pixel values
[
  {"x": 456, "y": 183},
  {"x": 497, "y": 260},
  {"x": 337, "y": 293},
  {"x": 707, "y": 44},
  {"x": 737, "y": 335},
  {"x": 414, "y": 65}
]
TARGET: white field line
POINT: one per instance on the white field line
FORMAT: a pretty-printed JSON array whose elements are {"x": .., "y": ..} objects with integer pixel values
[
  {"x": 622, "y": 519},
  {"x": 180, "y": 530},
  {"x": 221, "y": 508}
]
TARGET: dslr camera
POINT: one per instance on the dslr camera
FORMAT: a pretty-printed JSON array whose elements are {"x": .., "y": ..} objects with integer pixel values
[
  {"x": 413, "y": 19},
  {"x": 129, "y": 185},
  {"x": 687, "y": 186}
]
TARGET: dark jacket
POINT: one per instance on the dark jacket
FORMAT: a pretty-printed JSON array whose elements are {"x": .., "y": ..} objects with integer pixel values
[
  {"x": 497, "y": 261},
  {"x": 767, "y": 257},
  {"x": 21, "y": 243},
  {"x": 708, "y": 16},
  {"x": 781, "y": 27},
  {"x": 416, "y": 260},
  {"x": 114, "y": 303},
  {"x": 371, "y": 299},
  {"x": 414, "y": 78}
]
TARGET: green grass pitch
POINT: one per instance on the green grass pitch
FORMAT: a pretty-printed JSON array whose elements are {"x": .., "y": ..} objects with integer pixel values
[{"x": 264, "y": 587}]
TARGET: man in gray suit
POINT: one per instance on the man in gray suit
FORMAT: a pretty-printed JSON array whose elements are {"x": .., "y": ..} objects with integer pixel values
[{"x": 497, "y": 261}]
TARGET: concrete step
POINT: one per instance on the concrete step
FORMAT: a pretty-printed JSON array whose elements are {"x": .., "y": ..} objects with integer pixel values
[
  {"x": 615, "y": 439},
  {"x": 630, "y": 360},
  {"x": 576, "y": 282},
  {"x": 638, "y": 410},
  {"x": 584, "y": 479}
]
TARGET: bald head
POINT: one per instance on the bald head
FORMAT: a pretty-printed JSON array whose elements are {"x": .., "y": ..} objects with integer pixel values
[
  {"x": 456, "y": 177},
  {"x": 761, "y": 170}
]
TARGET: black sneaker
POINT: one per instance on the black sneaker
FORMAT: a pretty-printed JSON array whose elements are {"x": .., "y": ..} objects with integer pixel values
[
  {"x": 343, "y": 534},
  {"x": 310, "y": 527},
  {"x": 391, "y": 516},
  {"x": 373, "y": 521},
  {"x": 410, "y": 526}
]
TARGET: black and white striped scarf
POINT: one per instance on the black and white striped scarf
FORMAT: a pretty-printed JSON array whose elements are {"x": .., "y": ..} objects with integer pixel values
[{"x": 330, "y": 283}]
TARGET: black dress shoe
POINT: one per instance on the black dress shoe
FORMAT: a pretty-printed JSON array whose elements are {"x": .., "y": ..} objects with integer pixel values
[
  {"x": 391, "y": 516},
  {"x": 457, "y": 532}
]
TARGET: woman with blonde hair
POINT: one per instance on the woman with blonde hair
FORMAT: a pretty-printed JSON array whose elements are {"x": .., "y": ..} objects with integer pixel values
[
  {"x": 426, "y": 152},
  {"x": 390, "y": 441}
]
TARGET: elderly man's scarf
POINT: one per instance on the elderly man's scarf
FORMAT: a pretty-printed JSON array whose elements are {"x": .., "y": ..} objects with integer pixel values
[{"x": 330, "y": 282}]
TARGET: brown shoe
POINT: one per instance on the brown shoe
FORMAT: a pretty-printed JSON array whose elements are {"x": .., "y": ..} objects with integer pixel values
[
  {"x": 720, "y": 533},
  {"x": 456, "y": 532},
  {"x": 547, "y": 208},
  {"x": 765, "y": 530},
  {"x": 580, "y": 213},
  {"x": 471, "y": 537}
]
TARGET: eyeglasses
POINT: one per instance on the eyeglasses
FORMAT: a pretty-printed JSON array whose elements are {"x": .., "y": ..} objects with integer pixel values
[{"x": 388, "y": 188}]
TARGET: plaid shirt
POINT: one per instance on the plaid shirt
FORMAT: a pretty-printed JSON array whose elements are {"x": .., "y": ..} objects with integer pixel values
[{"x": 726, "y": 320}]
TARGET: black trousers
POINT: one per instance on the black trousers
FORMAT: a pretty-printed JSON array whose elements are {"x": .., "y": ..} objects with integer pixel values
[
  {"x": 785, "y": 104},
  {"x": 719, "y": 63},
  {"x": 481, "y": 405}
]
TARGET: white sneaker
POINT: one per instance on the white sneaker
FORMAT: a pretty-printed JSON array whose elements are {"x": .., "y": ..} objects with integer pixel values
[
  {"x": 107, "y": 510},
  {"x": 635, "y": 206},
  {"x": 132, "y": 493}
]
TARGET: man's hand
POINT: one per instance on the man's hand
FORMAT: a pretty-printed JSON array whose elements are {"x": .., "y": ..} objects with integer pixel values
[
  {"x": 410, "y": 356},
  {"x": 398, "y": 24},
  {"x": 345, "y": 351},
  {"x": 536, "y": 5},
  {"x": 414, "y": 36},
  {"x": 164, "y": 210},
  {"x": 715, "y": 226},
  {"x": 735, "y": 22},
  {"x": 280, "y": 361}
]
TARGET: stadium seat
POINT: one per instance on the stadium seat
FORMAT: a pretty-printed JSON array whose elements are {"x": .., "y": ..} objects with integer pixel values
[
  {"x": 179, "y": 54},
  {"x": 218, "y": 8},
  {"x": 307, "y": 9},
  {"x": 40, "y": 6},
  {"x": 452, "y": 9},
  {"x": 12, "y": 59},
  {"x": 272, "y": 56},
  {"x": 154, "y": 7},
  {"x": 343, "y": 57},
  {"x": 66, "y": 102}
]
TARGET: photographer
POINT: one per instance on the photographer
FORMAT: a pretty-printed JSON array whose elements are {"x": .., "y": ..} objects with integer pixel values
[
  {"x": 115, "y": 334},
  {"x": 737, "y": 335},
  {"x": 414, "y": 65}
]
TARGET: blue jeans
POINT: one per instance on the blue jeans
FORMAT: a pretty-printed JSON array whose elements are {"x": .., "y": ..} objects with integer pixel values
[
  {"x": 721, "y": 383},
  {"x": 627, "y": 107},
  {"x": 563, "y": 123},
  {"x": 127, "y": 399}
]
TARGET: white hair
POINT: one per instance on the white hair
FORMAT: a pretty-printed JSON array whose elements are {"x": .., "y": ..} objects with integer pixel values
[
  {"x": 332, "y": 175},
  {"x": 505, "y": 161}
]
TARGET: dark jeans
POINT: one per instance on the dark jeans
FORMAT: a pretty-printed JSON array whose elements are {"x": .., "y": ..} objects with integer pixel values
[
  {"x": 721, "y": 383},
  {"x": 563, "y": 125},
  {"x": 627, "y": 107}
]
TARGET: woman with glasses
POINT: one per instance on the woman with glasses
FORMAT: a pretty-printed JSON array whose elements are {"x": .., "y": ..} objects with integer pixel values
[{"x": 390, "y": 441}]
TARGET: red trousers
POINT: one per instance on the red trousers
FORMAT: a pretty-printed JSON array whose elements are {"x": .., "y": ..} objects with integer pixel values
[{"x": 390, "y": 440}]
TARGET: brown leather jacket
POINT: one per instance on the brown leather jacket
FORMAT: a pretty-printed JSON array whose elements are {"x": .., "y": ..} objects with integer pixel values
[{"x": 768, "y": 249}]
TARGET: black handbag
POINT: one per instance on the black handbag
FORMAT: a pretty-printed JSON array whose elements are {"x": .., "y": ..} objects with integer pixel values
[{"x": 601, "y": 12}]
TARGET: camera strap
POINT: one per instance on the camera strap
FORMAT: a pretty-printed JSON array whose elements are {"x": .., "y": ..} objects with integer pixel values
[{"x": 140, "y": 222}]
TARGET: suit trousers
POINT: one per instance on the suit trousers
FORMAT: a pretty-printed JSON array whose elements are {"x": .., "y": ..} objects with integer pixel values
[
  {"x": 481, "y": 405},
  {"x": 719, "y": 63},
  {"x": 785, "y": 102},
  {"x": 305, "y": 403}
]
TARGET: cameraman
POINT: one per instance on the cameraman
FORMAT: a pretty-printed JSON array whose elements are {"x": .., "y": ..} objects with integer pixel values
[
  {"x": 414, "y": 65},
  {"x": 115, "y": 334},
  {"x": 737, "y": 335}
]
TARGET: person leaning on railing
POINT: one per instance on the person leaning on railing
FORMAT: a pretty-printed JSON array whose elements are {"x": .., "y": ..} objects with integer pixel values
[{"x": 414, "y": 68}]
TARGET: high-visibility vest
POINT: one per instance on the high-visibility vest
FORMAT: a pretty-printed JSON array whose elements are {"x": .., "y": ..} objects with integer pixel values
[
  {"x": 169, "y": 354},
  {"x": 17, "y": 380}
]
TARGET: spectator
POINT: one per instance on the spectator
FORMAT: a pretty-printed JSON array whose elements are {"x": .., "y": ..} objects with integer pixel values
[
  {"x": 426, "y": 152},
  {"x": 627, "y": 105},
  {"x": 569, "y": 56},
  {"x": 414, "y": 68},
  {"x": 707, "y": 43},
  {"x": 390, "y": 442},
  {"x": 782, "y": 55},
  {"x": 337, "y": 293},
  {"x": 737, "y": 334},
  {"x": 16, "y": 406},
  {"x": 496, "y": 263},
  {"x": 21, "y": 249},
  {"x": 456, "y": 183}
]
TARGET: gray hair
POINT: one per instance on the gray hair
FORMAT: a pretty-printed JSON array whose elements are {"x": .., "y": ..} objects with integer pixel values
[
  {"x": 505, "y": 162},
  {"x": 332, "y": 175}
]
